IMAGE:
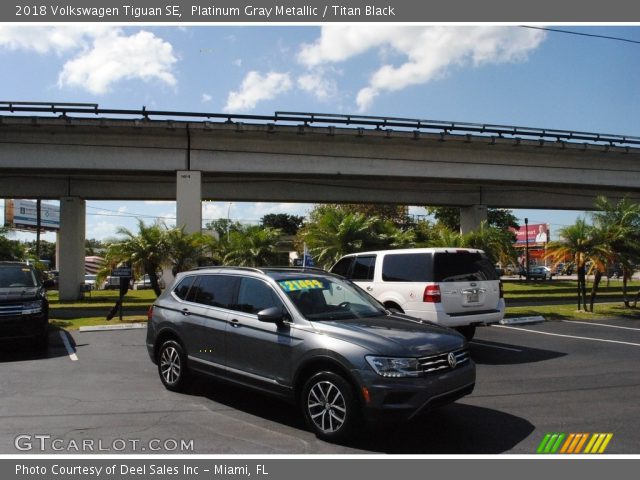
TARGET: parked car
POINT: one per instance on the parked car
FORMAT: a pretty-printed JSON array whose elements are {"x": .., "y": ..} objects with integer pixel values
[
  {"x": 454, "y": 287},
  {"x": 308, "y": 336},
  {"x": 145, "y": 283},
  {"x": 540, "y": 273},
  {"x": 24, "y": 309},
  {"x": 90, "y": 282}
]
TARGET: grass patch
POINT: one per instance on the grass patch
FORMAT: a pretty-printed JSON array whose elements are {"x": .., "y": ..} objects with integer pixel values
[
  {"x": 76, "y": 323},
  {"x": 569, "y": 312},
  {"x": 104, "y": 298}
]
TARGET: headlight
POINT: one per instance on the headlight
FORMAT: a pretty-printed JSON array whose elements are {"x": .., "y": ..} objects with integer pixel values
[
  {"x": 29, "y": 308},
  {"x": 395, "y": 367}
]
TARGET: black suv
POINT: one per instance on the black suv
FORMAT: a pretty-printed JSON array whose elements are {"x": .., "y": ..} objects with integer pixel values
[
  {"x": 311, "y": 337},
  {"x": 24, "y": 309}
]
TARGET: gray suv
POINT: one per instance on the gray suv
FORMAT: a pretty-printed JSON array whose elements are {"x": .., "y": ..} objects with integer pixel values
[{"x": 310, "y": 337}]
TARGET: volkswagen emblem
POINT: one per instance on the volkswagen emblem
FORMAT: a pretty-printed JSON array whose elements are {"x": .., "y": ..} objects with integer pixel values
[{"x": 453, "y": 361}]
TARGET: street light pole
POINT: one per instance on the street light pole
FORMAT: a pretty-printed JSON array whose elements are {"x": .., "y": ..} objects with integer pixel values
[{"x": 526, "y": 247}]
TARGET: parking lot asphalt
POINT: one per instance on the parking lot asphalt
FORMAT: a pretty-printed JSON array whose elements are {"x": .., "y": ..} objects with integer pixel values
[{"x": 102, "y": 389}]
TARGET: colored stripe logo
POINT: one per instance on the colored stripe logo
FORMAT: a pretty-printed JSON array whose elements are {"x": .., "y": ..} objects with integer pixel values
[{"x": 574, "y": 443}]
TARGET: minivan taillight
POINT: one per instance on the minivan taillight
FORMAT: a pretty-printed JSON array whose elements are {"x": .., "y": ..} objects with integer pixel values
[
  {"x": 150, "y": 313},
  {"x": 501, "y": 290},
  {"x": 431, "y": 294}
]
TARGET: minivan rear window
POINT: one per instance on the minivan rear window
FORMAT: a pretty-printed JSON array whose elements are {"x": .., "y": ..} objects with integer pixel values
[
  {"x": 407, "y": 267},
  {"x": 462, "y": 266}
]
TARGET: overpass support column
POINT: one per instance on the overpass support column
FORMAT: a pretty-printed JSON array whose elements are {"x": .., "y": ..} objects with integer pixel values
[
  {"x": 71, "y": 247},
  {"x": 471, "y": 217},
  {"x": 189, "y": 201}
]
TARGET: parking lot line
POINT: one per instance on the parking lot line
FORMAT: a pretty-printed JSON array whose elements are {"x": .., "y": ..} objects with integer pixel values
[
  {"x": 601, "y": 325},
  {"x": 570, "y": 336},
  {"x": 482, "y": 344},
  {"x": 67, "y": 345}
]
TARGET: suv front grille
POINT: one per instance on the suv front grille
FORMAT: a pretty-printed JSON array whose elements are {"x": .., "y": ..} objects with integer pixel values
[
  {"x": 440, "y": 361},
  {"x": 10, "y": 310}
]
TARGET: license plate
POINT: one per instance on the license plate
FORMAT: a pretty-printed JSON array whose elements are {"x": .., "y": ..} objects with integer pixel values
[{"x": 473, "y": 297}]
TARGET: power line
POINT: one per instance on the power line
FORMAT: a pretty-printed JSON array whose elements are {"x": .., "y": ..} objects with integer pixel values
[{"x": 569, "y": 32}]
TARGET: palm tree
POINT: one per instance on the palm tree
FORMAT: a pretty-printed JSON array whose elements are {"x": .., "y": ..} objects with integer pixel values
[
  {"x": 620, "y": 225},
  {"x": 332, "y": 233},
  {"x": 183, "y": 249},
  {"x": 145, "y": 250},
  {"x": 575, "y": 243},
  {"x": 251, "y": 246}
]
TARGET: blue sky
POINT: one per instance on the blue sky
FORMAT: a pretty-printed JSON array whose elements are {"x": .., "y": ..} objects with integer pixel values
[{"x": 485, "y": 74}]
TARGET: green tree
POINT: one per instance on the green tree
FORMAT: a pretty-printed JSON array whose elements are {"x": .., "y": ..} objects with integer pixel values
[
  {"x": 223, "y": 226},
  {"x": 251, "y": 246},
  {"x": 145, "y": 251},
  {"x": 10, "y": 249},
  {"x": 287, "y": 224},
  {"x": 496, "y": 217},
  {"x": 332, "y": 232},
  {"x": 576, "y": 242},
  {"x": 183, "y": 249},
  {"x": 398, "y": 215},
  {"x": 619, "y": 225}
]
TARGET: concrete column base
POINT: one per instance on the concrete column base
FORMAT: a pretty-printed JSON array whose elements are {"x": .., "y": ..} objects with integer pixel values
[
  {"x": 189, "y": 201},
  {"x": 71, "y": 247},
  {"x": 471, "y": 217}
]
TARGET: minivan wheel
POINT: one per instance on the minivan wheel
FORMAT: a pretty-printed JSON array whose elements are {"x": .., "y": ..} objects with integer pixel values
[
  {"x": 172, "y": 365},
  {"x": 468, "y": 331},
  {"x": 329, "y": 406}
]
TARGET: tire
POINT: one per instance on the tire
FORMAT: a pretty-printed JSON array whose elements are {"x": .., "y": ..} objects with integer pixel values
[
  {"x": 468, "y": 331},
  {"x": 172, "y": 366},
  {"x": 330, "y": 407}
]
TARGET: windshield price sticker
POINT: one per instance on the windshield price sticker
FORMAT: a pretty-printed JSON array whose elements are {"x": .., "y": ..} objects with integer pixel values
[{"x": 295, "y": 285}]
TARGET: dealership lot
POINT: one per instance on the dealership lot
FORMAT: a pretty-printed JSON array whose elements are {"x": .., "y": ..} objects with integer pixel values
[{"x": 97, "y": 392}]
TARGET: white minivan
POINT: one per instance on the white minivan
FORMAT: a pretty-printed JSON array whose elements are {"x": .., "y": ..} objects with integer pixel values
[{"x": 454, "y": 287}]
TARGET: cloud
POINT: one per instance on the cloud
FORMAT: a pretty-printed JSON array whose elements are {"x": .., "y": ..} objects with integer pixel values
[
  {"x": 237, "y": 62},
  {"x": 318, "y": 84},
  {"x": 104, "y": 55},
  {"x": 427, "y": 52},
  {"x": 116, "y": 57},
  {"x": 206, "y": 98},
  {"x": 44, "y": 40},
  {"x": 256, "y": 88}
]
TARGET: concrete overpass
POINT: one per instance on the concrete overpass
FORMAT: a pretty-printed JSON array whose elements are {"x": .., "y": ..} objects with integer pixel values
[{"x": 74, "y": 154}]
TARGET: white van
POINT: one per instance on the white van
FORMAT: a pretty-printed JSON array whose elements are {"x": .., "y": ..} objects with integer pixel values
[{"x": 454, "y": 287}]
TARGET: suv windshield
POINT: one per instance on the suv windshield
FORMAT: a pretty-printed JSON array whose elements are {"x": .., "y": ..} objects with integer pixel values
[
  {"x": 325, "y": 298},
  {"x": 17, "y": 276}
]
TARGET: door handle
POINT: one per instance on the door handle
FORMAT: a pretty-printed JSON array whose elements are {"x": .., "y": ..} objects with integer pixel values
[
  {"x": 185, "y": 311},
  {"x": 370, "y": 288},
  {"x": 235, "y": 323}
]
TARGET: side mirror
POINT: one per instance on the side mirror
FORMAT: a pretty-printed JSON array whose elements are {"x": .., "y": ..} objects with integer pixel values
[
  {"x": 271, "y": 315},
  {"x": 48, "y": 284}
]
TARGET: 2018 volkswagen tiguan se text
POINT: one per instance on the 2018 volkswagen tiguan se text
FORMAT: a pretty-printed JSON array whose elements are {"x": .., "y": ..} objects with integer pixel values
[{"x": 311, "y": 337}]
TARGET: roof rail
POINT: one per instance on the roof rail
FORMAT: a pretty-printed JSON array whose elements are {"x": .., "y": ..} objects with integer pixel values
[{"x": 228, "y": 267}]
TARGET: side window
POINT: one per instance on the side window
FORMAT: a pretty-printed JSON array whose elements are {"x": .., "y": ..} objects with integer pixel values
[
  {"x": 407, "y": 267},
  {"x": 343, "y": 266},
  {"x": 214, "y": 290},
  {"x": 363, "y": 268},
  {"x": 183, "y": 287},
  {"x": 255, "y": 295}
]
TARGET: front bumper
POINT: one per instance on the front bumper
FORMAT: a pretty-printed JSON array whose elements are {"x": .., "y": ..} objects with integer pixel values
[
  {"x": 31, "y": 326},
  {"x": 401, "y": 399}
]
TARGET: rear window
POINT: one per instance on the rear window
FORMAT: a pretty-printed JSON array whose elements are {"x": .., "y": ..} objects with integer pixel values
[
  {"x": 462, "y": 266},
  {"x": 183, "y": 288},
  {"x": 407, "y": 267},
  {"x": 214, "y": 290}
]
